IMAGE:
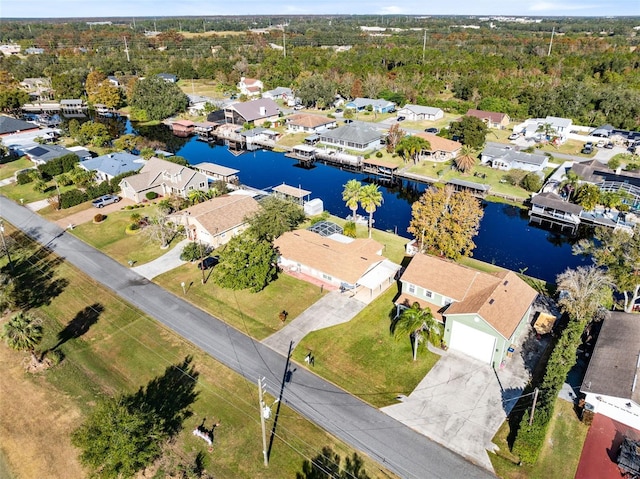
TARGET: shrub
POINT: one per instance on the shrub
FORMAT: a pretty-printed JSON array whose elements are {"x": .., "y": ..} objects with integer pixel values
[
  {"x": 614, "y": 163},
  {"x": 133, "y": 227},
  {"x": 55, "y": 357},
  {"x": 349, "y": 229},
  {"x": 321, "y": 217},
  {"x": 101, "y": 189},
  {"x": 367, "y": 156},
  {"x": 379, "y": 154},
  {"x": 72, "y": 197},
  {"x": 194, "y": 251},
  {"x": 24, "y": 177},
  {"x": 531, "y": 182},
  {"x": 99, "y": 218},
  {"x": 151, "y": 195}
]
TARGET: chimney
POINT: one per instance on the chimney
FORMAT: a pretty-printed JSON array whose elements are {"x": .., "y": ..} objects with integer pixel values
[{"x": 263, "y": 110}]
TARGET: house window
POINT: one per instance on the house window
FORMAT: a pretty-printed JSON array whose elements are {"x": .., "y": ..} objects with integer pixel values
[
  {"x": 428, "y": 294},
  {"x": 190, "y": 187},
  {"x": 411, "y": 289},
  {"x": 327, "y": 277}
]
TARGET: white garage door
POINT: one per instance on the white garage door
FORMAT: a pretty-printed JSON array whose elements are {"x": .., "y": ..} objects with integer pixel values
[{"x": 472, "y": 342}]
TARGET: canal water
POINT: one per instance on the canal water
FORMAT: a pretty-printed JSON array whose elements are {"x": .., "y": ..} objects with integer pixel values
[{"x": 505, "y": 237}]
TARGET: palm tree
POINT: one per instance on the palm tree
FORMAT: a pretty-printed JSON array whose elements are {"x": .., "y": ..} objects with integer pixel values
[
  {"x": 351, "y": 195},
  {"x": 370, "y": 199},
  {"x": 570, "y": 184},
  {"x": 466, "y": 161},
  {"x": 418, "y": 323},
  {"x": 23, "y": 332},
  {"x": 198, "y": 196}
]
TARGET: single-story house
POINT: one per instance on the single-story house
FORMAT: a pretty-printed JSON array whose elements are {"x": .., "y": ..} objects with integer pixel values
[
  {"x": 182, "y": 128},
  {"x": 81, "y": 152},
  {"x": 107, "y": 167},
  {"x": 336, "y": 260},
  {"x": 250, "y": 86},
  {"x": 9, "y": 126},
  {"x": 545, "y": 128},
  {"x": 279, "y": 93},
  {"x": 353, "y": 136},
  {"x": 168, "y": 77},
  {"x": 606, "y": 179},
  {"x": 259, "y": 135},
  {"x": 197, "y": 103},
  {"x": 256, "y": 112},
  {"x": 113, "y": 80},
  {"x": 34, "y": 51},
  {"x": 379, "y": 105},
  {"x": 215, "y": 221},
  {"x": 507, "y": 158},
  {"x": 42, "y": 154},
  {"x": 610, "y": 381},
  {"x": 163, "y": 178},
  {"x": 215, "y": 172},
  {"x": 493, "y": 119},
  {"x": 442, "y": 149},
  {"x": 309, "y": 123},
  {"x": 603, "y": 131},
  {"x": 419, "y": 112},
  {"x": 483, "y": 314},
  {"x": 19, "y": 143}
]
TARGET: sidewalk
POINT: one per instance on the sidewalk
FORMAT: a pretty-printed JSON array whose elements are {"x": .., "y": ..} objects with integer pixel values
[{"x": 166, "y": 262}]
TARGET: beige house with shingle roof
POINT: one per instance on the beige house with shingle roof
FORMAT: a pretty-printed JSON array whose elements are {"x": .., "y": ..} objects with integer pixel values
[
  {"x": 483, "y": 314},
  {"x": 216, "y": 221},
  {"x": 442, "y": 149},
  {"x": 336, "y": 260},
  {"x": 164, "y": 178},
  {"x": 309, "y": 123}
]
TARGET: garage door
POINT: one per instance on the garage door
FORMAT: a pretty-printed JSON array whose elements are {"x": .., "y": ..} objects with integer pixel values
[{"x": 472, "y": 342}]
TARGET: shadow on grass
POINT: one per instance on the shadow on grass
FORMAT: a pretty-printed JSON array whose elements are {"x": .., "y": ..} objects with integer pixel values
[{"x": 80, "y": 324}]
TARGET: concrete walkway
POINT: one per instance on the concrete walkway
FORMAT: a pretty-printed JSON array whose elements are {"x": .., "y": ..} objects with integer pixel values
[
  {"x": 166, "y": 262},
  {"x": 334, "y": 308},
  {"x": 37, "y": 205}
]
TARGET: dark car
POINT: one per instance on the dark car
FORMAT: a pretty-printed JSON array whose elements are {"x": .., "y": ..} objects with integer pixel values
[
  {"x": 400, "y": 118},
  {"x": 588, "y": 148},
  {"x": 608, "y": 146},
  {"x": 208, "y": 262},
  {"x": 433, "y": 131}
]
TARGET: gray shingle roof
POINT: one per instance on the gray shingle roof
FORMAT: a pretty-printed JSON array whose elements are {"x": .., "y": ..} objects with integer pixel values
[
  {"x": 551, "y": 200},
  {"x": 353, "y": 133},
  {"x": 45, "y": 153},
  {"x": 11, "y": 125},
  {"x": 114, "y": 164},
  {"x": 251, "y": 110}
]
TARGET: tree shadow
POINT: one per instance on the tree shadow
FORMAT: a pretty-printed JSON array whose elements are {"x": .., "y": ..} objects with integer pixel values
[
  {"x": 80, "y": 324},
  {"x": 169, "y": 397}
]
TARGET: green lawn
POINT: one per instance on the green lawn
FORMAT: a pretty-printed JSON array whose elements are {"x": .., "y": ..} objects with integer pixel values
[
  {"x": 255, "y": 314},
  {"x": 559, "y": 456},
  {"x": 27, "y": 194},
  {"x": 362, "y": 357},
  {"x": 111, "y": 238},
  {"x": 8, "y": 169}
]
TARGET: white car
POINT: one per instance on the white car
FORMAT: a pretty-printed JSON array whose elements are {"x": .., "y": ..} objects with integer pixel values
[{"x": 514, "y": 136}]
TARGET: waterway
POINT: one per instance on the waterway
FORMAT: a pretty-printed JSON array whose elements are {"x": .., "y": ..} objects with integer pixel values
[{"x": 505, "y": 237}]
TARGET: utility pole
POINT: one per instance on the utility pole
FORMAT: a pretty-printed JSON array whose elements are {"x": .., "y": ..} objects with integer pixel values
[
  {"x": 553, "y": 30},
  {"x": 201, "y": 255},
  {"x": 262, "y": 418},
  {"x": 424, "y": 44},
  {"x": 126, "y": 49},
  {"x": 4, "y": 245},
  {"x": 533, "y": 407}
]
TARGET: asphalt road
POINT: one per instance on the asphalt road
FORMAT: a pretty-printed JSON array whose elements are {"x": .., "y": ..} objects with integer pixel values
[{"x": 394, "y": 445}]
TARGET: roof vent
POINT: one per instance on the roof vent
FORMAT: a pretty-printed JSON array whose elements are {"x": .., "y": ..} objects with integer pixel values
[
  {"x": 491, "y": 301},
  {"x": 506, "y": 282}
]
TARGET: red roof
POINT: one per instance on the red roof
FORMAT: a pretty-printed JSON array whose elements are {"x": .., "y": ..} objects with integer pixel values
[{"x": 600, "y": 450}]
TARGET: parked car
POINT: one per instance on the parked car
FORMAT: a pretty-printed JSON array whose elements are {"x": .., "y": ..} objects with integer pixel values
[
  {"x": 434, "y": 131},
  {"x": 588, "y": 148},
  {"x": 298, "y": 107},
  {"x": 400, "y": 118},
  {"x": 339, "y": 110},
  {"x": 609, "y": 146},
  {"x": 514, "y": 136},
  {"x": 105, "y": 200},
  {"x": 600, "y": 144},
  {"x": 348, "y": 120},
  {"x": 208, "y": 262}
]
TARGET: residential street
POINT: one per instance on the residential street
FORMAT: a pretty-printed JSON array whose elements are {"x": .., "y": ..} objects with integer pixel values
[{"x": 384, "y": 439}]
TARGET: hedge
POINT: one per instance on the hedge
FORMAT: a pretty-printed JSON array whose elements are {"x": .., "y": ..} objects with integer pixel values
[{"x": 72, "y": 197}]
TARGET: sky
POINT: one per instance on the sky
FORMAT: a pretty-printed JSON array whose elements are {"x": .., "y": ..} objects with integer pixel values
[{"x": 160, "y": 8}]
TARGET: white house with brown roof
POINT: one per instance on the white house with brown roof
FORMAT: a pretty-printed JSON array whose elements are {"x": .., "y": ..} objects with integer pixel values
[
  {"x": 483, "y": 314},
  {"x": 250, "y": 86},
  {"x": 493, "y": 119},
  {"x": 336, "y": 260},
  {"x": 302, "y": 122},
  {"x": 441, "y": 149},
  {"x": 216, "y": 221},
  {"x": 164, "y": 178}
]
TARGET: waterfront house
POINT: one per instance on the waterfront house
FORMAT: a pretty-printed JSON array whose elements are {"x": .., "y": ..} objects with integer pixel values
[
  {"x": 440, "y": 149},
  {"x": 215, "y": 172},
  {"x": 42, "y": 154},
  {"x": 336, "y": 260},
  {"x": 107, "y": 167},
  {"x": 10, "y": 126},
  {"x": 492, "y": 119},
  {"x": 484, "y": 315},
  {"x": 610, "y": 383},
  {"x": 73, "y": 107},
  {"x": 250, "y": 87},
  {"x": 378, "y": 106},
  {"x": 506, "y": 158},
  {"x": 255, "y": 112},
  {"x": 163, "y": 178},
  {"x": 420, "y": 113},
  {"x": 608, "y": 180},
  {"x": 353, "y": 136},
  {"x": 182, "y": 128},
  {"x": 214, "y": 222},
  {"x": 302, "y": 122},
  {"x": 549, "y": 209}
]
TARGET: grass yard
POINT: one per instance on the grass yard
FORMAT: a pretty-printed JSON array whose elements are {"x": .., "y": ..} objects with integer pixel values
[
  {"x": 27, "y": 194},
  {"x": 8, "y": 169},
  {"x": 362, "y": 357},
  {"x": 110, "y": 238},
  {"x": 118, "y": 351},
  {"x": 202, "y": 87},
  {"x": 559, "y": 456},
  {"x": 292, "y": 139},
  {"x": 255, "y": 314}
]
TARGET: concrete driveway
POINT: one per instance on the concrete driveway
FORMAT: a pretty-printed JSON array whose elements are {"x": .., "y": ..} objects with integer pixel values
[{"x": 462, "y": 402}]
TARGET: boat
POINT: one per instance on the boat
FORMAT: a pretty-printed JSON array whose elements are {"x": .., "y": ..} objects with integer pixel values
[{"x": 360, "y": 220}]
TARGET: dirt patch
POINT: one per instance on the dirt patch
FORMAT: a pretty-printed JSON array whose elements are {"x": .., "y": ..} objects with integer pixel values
[{"x": 35, "y": 423}]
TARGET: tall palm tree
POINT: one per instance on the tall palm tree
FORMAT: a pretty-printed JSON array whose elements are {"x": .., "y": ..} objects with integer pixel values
[
  {"x": 198, "y": 196},
  {"x": 23, "y": 332},
  {"x": 351, "y": 195},
  {"x": 570, "y": 184},
  {"x": 418, "y": 323},
  {"x": 466, "y": 161},
  {"x": 370, "y": 199}
]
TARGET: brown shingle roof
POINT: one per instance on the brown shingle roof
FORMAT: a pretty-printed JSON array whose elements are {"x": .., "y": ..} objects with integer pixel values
[
  {"x": 492, "y": 116},
  {"x": 501, "y": 299},
  {"x": 440, "y": 144},
  {"x": 309, "y": 121},
  {"x": 346, "y": 261},
  {"x": 222, "y": 213}
]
